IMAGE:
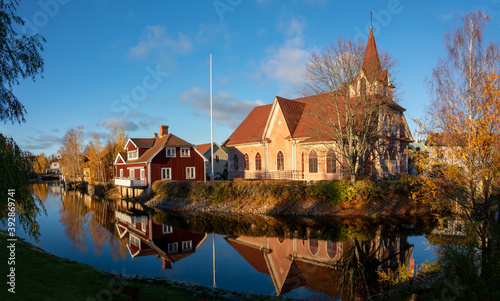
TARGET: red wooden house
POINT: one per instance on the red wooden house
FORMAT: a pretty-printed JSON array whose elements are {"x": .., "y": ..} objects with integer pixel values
[{"x": 163, "y": 157}]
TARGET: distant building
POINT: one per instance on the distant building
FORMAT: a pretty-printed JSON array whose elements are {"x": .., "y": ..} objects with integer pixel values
[
  {"x": 220, "y": 157},
  {"x": 54, "y": 166}
]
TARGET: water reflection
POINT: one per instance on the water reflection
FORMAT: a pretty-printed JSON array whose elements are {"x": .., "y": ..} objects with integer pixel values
[
  {"x": 299, "y": 257},
  {"x": 319, "y": 264},
  {"x": 145, "y": 237}
]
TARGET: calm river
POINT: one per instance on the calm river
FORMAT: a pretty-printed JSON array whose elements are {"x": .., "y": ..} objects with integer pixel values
[{"x": 297, "y": 258}]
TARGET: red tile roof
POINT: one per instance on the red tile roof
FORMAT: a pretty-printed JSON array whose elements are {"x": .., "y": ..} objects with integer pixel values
[
  {"x": 158, "y": 143},
  {"x": 203, "y": 147},
  {"x": 252, "y": 128}
]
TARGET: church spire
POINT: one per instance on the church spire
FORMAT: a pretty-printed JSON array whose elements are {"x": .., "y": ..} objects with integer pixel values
[{"x": 371, "y": 63}]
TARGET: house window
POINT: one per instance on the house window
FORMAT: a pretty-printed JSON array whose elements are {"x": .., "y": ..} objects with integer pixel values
[
  {"x": 385, "y": 125},
  {"x": 190, "y": 173},
  {"x": 313, "y": 246},
  {"x": 247, "y": 163},
  {"x": 121, "y": 173},
  {"x": 131, "y": 173},
  {"x": 173, "y": 248},
  {"x": 384, "y": 90},
  {"x": 258, "y": 162},
  {"x": 131, "y": 155},
  {"x": 217, "y": 159},
  {"x": 394, "y": 127},
  {"x": 167, "y": 229},
  {"x": 166, "y": 173},
  {"x": 385, "y": 161},
  {"x": 313, "y": 161},
  {"x": 185, "y": 152},
  {"x": 280, "y": 161},
  {"x": 331, "y": 162},
  {"x": 187, "y": 245},
  {"x": 134, "y": 240},
  {"x": 235, "y": 162},
  {"x": 332, "y": 248},
  {"x": 170, "y": 152},
  {"x": 143, "y": 173},
  {"x": 362, "y": 89},
  {"x": 302, "y": 164},
  {"x": 393, "y": 157}
]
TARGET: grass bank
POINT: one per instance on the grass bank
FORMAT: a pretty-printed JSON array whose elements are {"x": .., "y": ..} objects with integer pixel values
[
  {"x": 42, "y": 276},
  {"x": 365, "y": 198}
]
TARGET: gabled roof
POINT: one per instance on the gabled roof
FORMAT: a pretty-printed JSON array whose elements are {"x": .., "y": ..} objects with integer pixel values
[
  {"x": 292, "y": 111},
  {"x": 202, "y": 148},
  {"x": 141, "y": 142},
  {"x": 123, "y": 156},
  {"x": 158, "y": 144},
  {"x": 252, "y": 128}
]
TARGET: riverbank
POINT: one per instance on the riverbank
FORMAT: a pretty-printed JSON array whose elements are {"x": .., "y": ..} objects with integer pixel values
[
  {"x": 336, "y": 198},
  {"x": 39, "y": 275}
]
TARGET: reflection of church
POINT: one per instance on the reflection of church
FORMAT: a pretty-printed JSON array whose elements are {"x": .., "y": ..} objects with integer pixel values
[
  {"x": 145, "y": 237},
  {"x": 312, "y": 263}
]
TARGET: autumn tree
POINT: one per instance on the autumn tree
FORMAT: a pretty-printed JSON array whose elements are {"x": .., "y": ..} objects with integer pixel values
[
  {"x": 97, "y": 159},
  {"x": 351, "y": 86},
  {"x": 20, "y": 58},
  {"x": 465, "y": 109},
  {"x": 71, "y": 152},
  {"x": 40, "y": 163},
  {"x": 115, "y": 144}
]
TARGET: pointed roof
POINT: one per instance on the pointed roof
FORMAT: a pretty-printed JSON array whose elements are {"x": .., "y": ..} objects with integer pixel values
[
  {"x": 371, "y": 63},
  {"x": 252, "y": 128},
  {"x": 292, "y": 110},
  {"x": 157, "y": 144}
]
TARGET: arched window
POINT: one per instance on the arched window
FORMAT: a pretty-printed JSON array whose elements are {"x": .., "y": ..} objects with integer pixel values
[
  {"x": 313, "y": 246},
  {"x": 235, "y": 162},
  {"x": 385, "y": 125},
  {"x": 393, "y": 156},
  {"x": 280, "y": 161},
  {"x": 394, "y": 126},
  {"x": 385, "y": 162},
  {"x": 313, "y": 161},
  {"x": 302, "y": 162},
  {"x": 258, "y": 163},
  {"x": 384, "y": 90},
  {"x": 332, "y": 248},
  {"x": 362, "y": 88},
  {"x": 331, "y": 162},
  {"x": 247, "y": 163}
]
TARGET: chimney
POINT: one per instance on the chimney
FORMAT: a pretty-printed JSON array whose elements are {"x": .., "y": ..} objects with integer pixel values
[
  {"x": 163, "y": 130},
  {"x": 156, "y": 135}
]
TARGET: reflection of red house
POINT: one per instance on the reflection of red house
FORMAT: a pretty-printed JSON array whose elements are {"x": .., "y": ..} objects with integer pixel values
[
  {"x": 314, "y": 264},
  {"x": 145, "y": 237},
  {"x": 164, "y": 157}
]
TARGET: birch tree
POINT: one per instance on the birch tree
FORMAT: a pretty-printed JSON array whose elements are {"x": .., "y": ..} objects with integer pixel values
[
  {"x": 466, "y": 109},
  {"x": 349, "y": 111},
  {"x": 71, "y": 153}
]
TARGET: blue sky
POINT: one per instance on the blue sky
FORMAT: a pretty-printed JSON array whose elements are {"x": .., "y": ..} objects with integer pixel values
[{"x": 143, "y": 64}]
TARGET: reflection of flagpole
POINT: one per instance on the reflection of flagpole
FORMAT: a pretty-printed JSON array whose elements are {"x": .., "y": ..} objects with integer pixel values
[
  {"x": 213, "y": 258},
  {"x": 211, "y": 123}
]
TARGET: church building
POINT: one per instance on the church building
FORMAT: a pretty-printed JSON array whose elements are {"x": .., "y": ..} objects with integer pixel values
[{"x": 281, "y": 140}]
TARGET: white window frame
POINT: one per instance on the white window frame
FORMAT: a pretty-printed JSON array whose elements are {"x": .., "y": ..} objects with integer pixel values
[
  {"x": 134, "y": 240},
  {"x": 185, "y": 152},
  {"x": 166, "y": 229},
  {"x": 190, "y": 172},
  {"x": 169, "y": 173},
  {"x": 131, "y": 173},
  {"x": 187, "y": 245},
  {"x": 173, "y": 247},
  {"x": 132, "y": 155},
  {"x": 170, "y": 152}
]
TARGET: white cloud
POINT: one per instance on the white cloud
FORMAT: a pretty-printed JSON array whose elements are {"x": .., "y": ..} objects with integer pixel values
[
  {"x": 227, "y": 110},
  {"x": 157, "y": 42},
  {"x": 119, "y": 122},
  {"x": 286, "y": 63}
]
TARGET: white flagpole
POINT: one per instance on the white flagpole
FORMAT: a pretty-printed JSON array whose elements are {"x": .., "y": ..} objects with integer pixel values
[{"x": 211, "y": 123}]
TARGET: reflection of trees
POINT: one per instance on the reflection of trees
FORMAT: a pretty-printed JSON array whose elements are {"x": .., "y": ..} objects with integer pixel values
[
  {"x": 74, "y": 218},
  {"x": 40, "y": 190},
  {"x": 359, "y": 270}
]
